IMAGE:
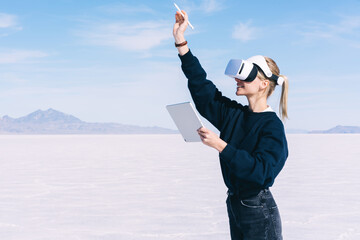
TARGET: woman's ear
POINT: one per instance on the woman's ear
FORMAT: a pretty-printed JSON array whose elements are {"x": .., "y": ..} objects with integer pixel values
[{"x": 264, "y": 84}]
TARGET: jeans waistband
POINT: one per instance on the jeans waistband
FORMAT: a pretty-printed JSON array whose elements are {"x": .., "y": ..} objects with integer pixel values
[{"x": 231, "y": 193}]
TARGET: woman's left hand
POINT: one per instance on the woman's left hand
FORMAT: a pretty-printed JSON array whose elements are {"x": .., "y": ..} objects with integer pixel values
[{"x": 211, "y": 139}]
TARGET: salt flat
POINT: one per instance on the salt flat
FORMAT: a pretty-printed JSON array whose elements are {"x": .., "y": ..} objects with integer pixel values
[{"x": 158, "y": 187}]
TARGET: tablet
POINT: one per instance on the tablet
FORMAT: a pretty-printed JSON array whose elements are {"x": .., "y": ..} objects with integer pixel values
[{"x": 186, "y": 120}]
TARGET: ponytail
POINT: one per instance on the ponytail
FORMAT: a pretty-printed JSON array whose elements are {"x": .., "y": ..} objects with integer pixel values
[
  {"x": 284, "y": 88},
  {"x": 284, "y": 98}
]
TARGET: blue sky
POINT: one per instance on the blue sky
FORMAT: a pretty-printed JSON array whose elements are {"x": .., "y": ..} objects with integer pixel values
[{"x": 115, "y": 61}]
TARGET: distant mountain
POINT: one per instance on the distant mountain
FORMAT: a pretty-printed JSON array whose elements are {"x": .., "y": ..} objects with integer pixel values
[
  {"x": 55, "y": 122},
  {"x": 339, "y": 129},
  {"x": 47, "y": 116}
]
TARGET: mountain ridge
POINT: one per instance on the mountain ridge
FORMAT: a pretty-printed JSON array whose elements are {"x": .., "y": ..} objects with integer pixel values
[
  {"x": 52, "y": 121},
  {"x": 339, "y": 129}
]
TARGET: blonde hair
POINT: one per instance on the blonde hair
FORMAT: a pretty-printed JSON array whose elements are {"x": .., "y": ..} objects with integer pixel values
[{"x": 285, "y": 86}]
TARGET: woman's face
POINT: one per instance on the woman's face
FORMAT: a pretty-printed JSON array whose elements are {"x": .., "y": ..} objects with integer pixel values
[{"x": 250, "y": 88}]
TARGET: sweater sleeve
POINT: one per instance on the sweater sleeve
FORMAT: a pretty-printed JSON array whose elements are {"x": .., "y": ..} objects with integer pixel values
[
  {"x": 207, "y": 98},
  {"x": 261, "y": 166}
]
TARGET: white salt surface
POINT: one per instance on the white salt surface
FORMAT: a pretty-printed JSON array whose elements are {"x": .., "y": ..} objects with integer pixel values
[{"x": 158, "y": 187}]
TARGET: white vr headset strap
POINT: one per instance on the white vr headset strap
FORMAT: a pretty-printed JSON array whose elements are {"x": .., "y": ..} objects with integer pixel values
[
  {"x": 280, "y": 81},
  {"x": 261, "y": 63}
]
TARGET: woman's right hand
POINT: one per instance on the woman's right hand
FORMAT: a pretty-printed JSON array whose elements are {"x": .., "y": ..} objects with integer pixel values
[{"x": 180, "y": 26}]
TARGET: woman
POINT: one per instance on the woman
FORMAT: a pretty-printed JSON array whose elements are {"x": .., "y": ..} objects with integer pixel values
[{"x": 252, "y": 144}]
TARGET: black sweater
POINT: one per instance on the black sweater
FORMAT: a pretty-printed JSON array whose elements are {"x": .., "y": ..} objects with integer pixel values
[{"x": 256, "y": 148}]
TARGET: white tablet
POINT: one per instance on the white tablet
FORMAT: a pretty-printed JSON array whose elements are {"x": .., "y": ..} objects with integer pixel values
[{"x": 186, "y": 120}]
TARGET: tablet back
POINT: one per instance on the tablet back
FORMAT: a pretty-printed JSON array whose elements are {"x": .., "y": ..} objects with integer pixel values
[{"x": 186, "y": 120}]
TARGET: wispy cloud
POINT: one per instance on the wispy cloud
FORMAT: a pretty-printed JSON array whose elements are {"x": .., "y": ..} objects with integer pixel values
[
  {"x": 126, "y": 9},
  {"x": 210, "y": 6},
  {"x": 205, "y": 6},
  {"x": 347, "y": 29},
  {"x": 8, "y": 24},
  {"x": 132, "y": 37},
  {"x": 244, "y": 31},
  {"x": 7, "y": 20},
  {"x": 20, "y": 56}
]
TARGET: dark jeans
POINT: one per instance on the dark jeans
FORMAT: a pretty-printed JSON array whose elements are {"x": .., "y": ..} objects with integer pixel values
[{"x": 254, "y": 218}]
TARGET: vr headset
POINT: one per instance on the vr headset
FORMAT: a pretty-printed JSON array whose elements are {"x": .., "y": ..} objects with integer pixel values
[{"x": 247, "y": 70}]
